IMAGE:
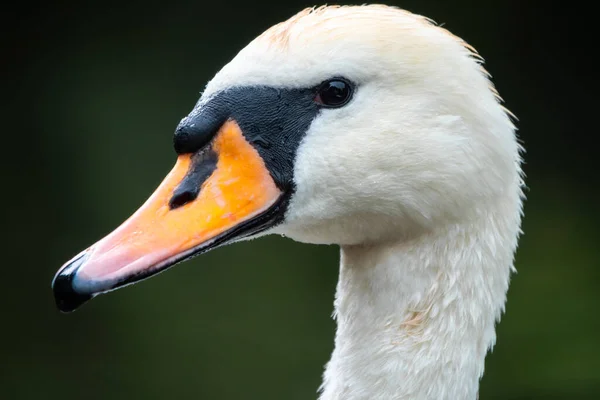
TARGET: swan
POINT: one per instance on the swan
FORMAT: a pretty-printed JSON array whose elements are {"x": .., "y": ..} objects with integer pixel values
[{"x": 371, "y": 128}]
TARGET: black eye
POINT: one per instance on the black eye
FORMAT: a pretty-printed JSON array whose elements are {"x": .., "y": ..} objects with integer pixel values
[{"x": 334, "y": 93}]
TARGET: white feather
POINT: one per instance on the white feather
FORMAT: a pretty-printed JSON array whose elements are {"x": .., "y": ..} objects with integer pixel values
[{"x": 418, "y": 179}]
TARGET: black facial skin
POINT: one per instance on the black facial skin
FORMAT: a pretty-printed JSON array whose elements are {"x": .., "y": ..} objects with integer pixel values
[{"x": 273, "y": 120}]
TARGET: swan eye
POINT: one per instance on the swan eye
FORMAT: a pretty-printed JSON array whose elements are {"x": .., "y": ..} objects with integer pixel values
[{"x": 334, "y": 93}]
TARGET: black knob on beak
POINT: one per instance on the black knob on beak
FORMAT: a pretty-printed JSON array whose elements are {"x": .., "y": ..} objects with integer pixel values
[{"x": 196, "y": 130}]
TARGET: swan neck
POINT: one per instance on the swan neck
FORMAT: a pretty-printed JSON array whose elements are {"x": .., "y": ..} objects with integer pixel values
[{"x": 416, "y": 319}]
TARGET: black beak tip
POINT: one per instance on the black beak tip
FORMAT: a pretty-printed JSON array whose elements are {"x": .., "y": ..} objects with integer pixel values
[{"x": 66, "y": 297}]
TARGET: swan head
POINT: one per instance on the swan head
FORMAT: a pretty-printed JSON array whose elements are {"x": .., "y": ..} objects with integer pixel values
[{"x": 345, "y": 125}]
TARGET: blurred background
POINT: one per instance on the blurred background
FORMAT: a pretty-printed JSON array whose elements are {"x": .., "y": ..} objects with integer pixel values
[{"x": 93, "y": 91}]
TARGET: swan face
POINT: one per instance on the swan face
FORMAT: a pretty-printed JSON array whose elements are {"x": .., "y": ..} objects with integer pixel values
[{"x": 421, "y": 142}]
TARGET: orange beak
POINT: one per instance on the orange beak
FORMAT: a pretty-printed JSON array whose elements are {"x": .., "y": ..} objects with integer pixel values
[{"x": 219, "y": 194}]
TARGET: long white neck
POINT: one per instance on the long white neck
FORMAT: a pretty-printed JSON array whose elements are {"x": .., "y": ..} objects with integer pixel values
[{"x": 416, "y": 319}]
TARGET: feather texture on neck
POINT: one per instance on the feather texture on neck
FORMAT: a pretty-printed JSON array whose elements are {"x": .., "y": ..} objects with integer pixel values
[{"x": 416, "y": 319}]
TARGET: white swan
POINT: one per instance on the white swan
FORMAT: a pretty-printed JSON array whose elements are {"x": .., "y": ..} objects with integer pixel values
[{"x": 367, "y": 127}]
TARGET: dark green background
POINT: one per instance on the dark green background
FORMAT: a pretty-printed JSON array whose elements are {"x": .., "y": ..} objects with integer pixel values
[{"x": 93, "y": 92}]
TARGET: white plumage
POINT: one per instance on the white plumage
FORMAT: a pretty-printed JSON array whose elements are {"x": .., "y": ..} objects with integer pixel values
[
  {"x": 416, "y": 175},
  {"x": 418, "y": 179}
]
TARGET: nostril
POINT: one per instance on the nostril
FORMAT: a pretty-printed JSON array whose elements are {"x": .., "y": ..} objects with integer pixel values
[
  {"x": 203, "y": 165},
  {"x": 182, "y": 197}
]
